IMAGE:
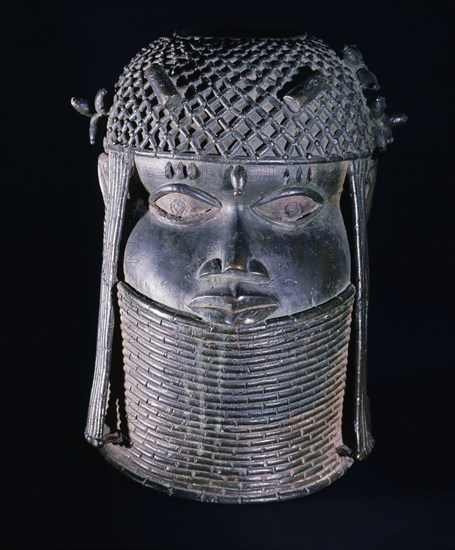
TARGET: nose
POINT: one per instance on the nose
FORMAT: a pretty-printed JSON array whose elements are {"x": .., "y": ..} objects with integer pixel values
[
  {"x": 236, "y": 250},
  {"x": 236, "y": 261}
]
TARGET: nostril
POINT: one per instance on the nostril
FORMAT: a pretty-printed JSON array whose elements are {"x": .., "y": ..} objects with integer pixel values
[
  {"x": 256, "y": 267},
  {"x": 211, "y": 267}
]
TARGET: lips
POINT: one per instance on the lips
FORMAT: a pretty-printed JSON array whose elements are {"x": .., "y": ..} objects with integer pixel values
[{"x": 236, "y": 306}]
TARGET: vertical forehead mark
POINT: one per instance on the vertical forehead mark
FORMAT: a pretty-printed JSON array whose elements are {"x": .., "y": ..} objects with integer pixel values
[{"x": 238, "y": 178}]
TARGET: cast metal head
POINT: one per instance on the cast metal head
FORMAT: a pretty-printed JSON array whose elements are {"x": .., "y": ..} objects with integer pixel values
[{"x": 227, "y": 160}]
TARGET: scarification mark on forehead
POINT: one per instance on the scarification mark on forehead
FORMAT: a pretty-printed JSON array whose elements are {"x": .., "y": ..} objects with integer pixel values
[
  {"x": 181, "y": 171},
  {"x": 299, "y": 176},
  {"x": 238, "y": 177}
]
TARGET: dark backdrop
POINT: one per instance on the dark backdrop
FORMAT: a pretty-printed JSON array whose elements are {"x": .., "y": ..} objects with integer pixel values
[{"x": 57, "y": 492}]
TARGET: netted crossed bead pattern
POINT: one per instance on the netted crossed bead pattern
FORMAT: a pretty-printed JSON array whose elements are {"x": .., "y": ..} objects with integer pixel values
[{"x": 233, "y": 106}]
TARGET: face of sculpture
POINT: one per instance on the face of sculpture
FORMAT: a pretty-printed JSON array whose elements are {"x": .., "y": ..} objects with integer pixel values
[{"x": 236, "y": 244}]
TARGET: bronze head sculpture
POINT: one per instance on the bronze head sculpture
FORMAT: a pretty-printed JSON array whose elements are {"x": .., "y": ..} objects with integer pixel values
[{"x": 226, "y": 276}]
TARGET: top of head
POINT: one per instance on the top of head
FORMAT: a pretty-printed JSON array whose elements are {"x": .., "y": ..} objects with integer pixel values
[{"x": 248, "y": 100}]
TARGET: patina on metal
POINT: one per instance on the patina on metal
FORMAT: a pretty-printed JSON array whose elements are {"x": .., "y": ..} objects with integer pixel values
[{"x": 228, "y": 303}]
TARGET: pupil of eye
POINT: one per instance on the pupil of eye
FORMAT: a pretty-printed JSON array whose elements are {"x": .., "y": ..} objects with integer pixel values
[
  {"x": 293, "y": 210},
  {"x": 178, "y": 207}
]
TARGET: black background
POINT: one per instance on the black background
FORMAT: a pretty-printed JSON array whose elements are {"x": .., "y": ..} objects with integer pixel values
[{"x": 57, "y": 492}]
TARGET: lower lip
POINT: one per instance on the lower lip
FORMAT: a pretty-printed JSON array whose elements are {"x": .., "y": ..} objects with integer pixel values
[{"x": 227, "y": 310}]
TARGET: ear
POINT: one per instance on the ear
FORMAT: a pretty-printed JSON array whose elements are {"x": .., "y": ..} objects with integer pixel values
[{"x": 103, "y": 175}]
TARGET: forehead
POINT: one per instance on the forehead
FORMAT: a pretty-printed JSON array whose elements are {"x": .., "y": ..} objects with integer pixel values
[{"x": 255, "y": 177}]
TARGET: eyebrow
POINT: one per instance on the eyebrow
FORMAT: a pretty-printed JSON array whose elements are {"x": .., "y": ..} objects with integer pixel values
[
  {"x": 289, "y": 192},
  {"x": 185, "y": 189}
]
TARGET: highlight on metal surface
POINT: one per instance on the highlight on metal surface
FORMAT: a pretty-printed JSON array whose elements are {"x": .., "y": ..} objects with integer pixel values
[{"x": 232, "y": 334}]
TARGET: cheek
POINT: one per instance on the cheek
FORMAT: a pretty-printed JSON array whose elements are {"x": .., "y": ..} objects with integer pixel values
[
  {"x": 325, "y": 257},
  {"x": 307, "y": 267},
  {"x": 316, "y": 246},
  {"x": 161, "y": 261}
]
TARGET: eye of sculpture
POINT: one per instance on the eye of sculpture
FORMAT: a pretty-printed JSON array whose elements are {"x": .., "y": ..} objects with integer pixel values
[
  {"x": 290, "y": 209},
  {"x": 183, "y": 204}
]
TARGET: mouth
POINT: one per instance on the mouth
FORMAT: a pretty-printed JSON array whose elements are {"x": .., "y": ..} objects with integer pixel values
[{"x": 236, "y": 306}]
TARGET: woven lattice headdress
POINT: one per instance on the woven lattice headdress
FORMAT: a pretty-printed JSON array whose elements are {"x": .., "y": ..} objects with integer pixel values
[{"x": 262, "y": 99}]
